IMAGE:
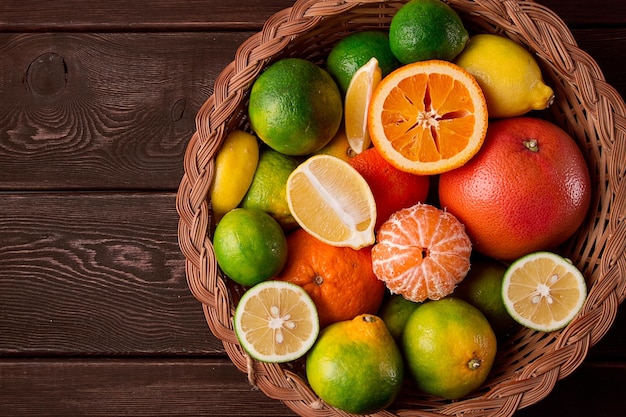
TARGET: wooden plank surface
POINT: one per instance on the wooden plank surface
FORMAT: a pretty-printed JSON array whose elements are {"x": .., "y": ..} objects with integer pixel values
[
  {"x": 95, "y": 274},
  {"x": 209, "y": 387},
  {"x": 97, "y": 102}
]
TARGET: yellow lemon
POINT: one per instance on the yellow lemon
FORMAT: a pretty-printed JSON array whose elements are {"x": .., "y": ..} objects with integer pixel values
[
  {"x": 508, "y": 75},
  {"x": 235, "y": 164}
]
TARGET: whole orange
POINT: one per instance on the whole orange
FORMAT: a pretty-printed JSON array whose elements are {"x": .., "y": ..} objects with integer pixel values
[
  {"x": 340, "y": 280},
  {"x": 527, "y": 189},
  {"x": 392, "y": 188}
]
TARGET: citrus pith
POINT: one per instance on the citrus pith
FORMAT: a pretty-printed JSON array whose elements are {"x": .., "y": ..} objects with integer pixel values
[
  {"x": 276, "y": 322},
  {"x": 543, "y": 291},
  {"x": 428, "y": 117},
  {"x": 332, "y": 201},
  {"x": 421, "y": 252}
]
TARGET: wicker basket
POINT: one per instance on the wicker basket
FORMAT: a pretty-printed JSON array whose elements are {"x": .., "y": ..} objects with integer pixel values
[{"x": 528, "y": 363}]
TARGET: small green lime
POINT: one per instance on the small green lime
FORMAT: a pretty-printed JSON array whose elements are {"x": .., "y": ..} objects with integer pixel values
[
  {"x": 426, "y": 29},
  {"x": 395, "y": 312},
  {"x": 268, "y": 190},
  {"x": 295, "y": 107},
  {"x": 355, "y": 50},
  {"x": 250, "y": 246},
  {"x": 482, "y": 287}
]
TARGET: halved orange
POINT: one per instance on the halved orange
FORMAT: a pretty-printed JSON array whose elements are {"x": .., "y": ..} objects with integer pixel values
[{"x": 428, "y": 117}]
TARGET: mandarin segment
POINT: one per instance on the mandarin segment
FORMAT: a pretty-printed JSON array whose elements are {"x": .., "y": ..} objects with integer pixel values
[
  {"x": 428, "y": 117},
  {"x": 422, "y": 252}
]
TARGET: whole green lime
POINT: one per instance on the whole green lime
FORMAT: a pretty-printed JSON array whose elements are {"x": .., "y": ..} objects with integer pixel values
[
  {"x": 295, "y": 107},
  {"x": 395, "y": 312},
  {"x": 482, "y": 287},
  {"x": 426, "y": 29},
  {"x": 355, "y": 365},
  {"x": 268, "y": 190},
  {"x": 250, "y": 246},
  {"x": 355, "y": 50}
]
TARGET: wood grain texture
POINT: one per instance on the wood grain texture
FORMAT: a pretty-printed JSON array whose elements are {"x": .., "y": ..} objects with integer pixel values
[
  {"x": 95, "y": 274},
  {"x": 103, "y": 111},
  {"x": 209, "y": 387},
  {"x": 121, "y": 15}
]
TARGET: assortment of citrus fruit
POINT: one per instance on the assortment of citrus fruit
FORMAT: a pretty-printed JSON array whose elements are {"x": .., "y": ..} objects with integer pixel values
[{"x": 394, "y": 213}]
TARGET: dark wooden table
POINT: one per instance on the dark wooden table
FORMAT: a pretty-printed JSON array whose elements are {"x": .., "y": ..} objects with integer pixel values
[{"x": 97, "y": 103}]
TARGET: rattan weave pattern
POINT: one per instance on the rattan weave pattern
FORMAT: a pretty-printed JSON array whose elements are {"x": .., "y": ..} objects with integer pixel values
[{"x": 528, "y": 363}]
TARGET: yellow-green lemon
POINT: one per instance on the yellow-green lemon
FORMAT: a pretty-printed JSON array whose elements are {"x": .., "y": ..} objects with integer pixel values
[
  {"x": 268, "y": 190},
  {"x": 250, "y": 246},
  {"x": 355, "y": 50},
  {"x": 295, "y": 106},
  {"x": 235, "y": 164},
  {"x": 449, "y": 347},
  {"x": 508, "y": 74},
  {"x": 355, "y": 365},
  {"x": 426, "y": 29}
]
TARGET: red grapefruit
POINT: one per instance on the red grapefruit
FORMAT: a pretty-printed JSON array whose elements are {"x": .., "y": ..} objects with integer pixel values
[{"x": 527, "y": 189}]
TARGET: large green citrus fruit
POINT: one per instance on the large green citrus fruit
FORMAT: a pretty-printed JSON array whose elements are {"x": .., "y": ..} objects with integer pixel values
[
  {"x": 426, "y": 29},
  {"x": 355, "y": 365},
  {"x": 250, "y": 246},
  {"x": 449, "y": 347},
  {"x": 355, "y": 50},
  {"x": 295, "y": 107}
]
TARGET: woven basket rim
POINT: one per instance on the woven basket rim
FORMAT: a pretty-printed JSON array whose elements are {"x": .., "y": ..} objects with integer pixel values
[{"x": 603, "y": 261}]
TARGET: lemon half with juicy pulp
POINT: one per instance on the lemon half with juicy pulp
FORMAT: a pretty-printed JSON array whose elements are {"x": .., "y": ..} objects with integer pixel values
[
  {"x": 543, "y": 291},
  {"x": 332, "y": 201},
  {"x": 276, "y": 322}
]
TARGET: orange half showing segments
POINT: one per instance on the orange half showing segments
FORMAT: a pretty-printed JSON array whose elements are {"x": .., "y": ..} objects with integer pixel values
[{"x": 428, "y": 117}]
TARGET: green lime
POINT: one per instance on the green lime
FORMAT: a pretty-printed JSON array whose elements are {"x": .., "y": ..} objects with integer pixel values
[
  {"x": 250, "y": 246},
  {"x": 482, "y": 287},
  {"x": 355, "y": 365},
  {"x": 355, "y": 50},
  {"x": 426, "y": 29},
  {"x": 395, "y": 312},
  {"x": 449, "y": 347},
  {"x": 268, "y": 190},
  {"x": 295, "y": 107}
]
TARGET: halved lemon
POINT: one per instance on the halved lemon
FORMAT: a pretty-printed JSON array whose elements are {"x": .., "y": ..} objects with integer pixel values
[
  {"x": 358, "y": 96},
  {"x": 428, "y": 117},
  {"x": 332, "y": 201},
  {"x": 276, "y": 321},
  {"x": 543, "y": 291}
]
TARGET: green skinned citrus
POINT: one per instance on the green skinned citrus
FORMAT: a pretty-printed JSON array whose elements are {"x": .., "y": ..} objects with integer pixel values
[
  {"x": 268, "y": 190},
  {"x": 449, "y": 347},
  {"x": 295, "y": 107},
  {"x": 426, "y": 29},
  {"x": 395, "y": 312},
  {"x": 250, "y": 246},
  {"x": 482, "y": 287},
  {"x": 354, "y": 51},
  {"x": 355, "y": 365}
]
